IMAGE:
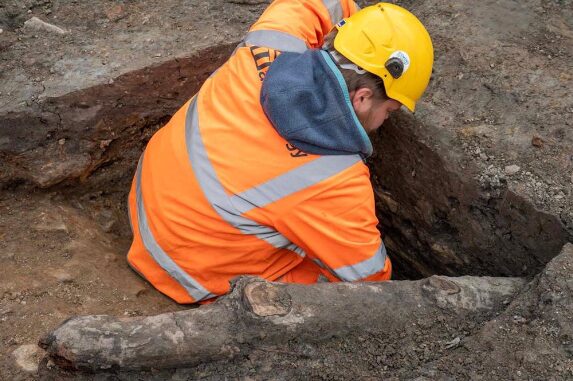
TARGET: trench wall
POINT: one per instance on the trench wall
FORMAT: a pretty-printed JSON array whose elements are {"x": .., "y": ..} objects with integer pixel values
[
  {"x": 444, "y": 206},
  {"x": 68, "y": 138},
  {"x": 438, "y": 219}
]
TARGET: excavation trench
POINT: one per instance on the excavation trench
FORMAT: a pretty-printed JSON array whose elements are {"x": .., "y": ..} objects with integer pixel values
[
  {"x": 438, "y": 219},
  {"x": 434, "y": 216},
  {"x": 477, "y": 182}
]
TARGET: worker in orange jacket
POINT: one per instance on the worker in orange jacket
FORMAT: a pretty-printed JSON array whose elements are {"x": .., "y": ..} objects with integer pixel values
[{"x": 261, "y": 172}]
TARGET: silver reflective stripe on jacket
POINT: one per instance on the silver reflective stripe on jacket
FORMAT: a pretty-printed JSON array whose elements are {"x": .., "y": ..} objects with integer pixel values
[
  {"x": 214, "y": 190},
  {"x": 276, "y": 40},
  {"x": 365, "y": 268},
  {"x": 232, "y": 208},
  {"x": 193, "y": 288},
  {"x": 293, "y": 181},
  {"x": 284, "y": 41},
  {"x": 334, "y": 10}
]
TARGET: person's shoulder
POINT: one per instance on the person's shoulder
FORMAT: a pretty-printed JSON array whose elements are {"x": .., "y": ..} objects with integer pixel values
[{"x": 356, "y": 175}]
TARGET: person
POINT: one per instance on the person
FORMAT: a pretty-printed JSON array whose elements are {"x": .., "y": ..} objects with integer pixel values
[{"x": 262, "y": 172}]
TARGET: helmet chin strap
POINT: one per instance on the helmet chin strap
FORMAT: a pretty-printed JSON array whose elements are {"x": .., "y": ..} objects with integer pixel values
[
  {"x": 337, "y": 58},
  {"x": 352, "y": 66}
]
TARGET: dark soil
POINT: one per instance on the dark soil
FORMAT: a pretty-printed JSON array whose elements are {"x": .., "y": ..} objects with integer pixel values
[{"x": 76, "y": 111}]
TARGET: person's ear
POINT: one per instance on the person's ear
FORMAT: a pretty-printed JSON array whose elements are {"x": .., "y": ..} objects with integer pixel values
[{"x": 362, "y": 99}]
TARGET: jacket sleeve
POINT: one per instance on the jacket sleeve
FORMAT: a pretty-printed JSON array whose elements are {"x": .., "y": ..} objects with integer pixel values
[
  {"x": 337, "y": 229},
  {"x": 307, "y": 20}
]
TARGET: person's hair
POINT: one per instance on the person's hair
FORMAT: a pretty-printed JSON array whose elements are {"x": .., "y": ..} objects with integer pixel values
[{"x": 354, "y": 81}]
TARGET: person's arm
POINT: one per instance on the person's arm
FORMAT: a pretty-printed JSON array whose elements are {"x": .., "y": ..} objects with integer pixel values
[
  {"x": 337, "y": 228},
  {"x": 306, "y": 20}
]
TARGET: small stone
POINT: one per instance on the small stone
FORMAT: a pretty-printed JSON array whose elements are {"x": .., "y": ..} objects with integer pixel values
[
  {"x": 536, "y": 141},
  {"x": 27, "y": 357},
  {"x": 454, "y": 343},
  {"x": 62, "y": 142},
  {"x": 36, "y": 24},
  {"x": 116, "y": 13},
  {"x": 511, "y": 170},
  {"x": 61, "y": 276}
]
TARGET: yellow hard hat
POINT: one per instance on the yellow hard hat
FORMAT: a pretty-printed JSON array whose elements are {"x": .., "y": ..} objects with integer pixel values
[{"x": 390, "y": 42}]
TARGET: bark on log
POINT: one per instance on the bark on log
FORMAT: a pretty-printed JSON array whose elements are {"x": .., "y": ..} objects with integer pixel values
[{"x": 259, "y": 313}]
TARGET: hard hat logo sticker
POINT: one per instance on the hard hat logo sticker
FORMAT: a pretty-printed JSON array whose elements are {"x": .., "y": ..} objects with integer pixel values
[{"x": 341, "y": 23}]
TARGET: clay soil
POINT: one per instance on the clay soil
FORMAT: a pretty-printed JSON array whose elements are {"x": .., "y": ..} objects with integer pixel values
[
  {"x": 63, "y": 246},
  {"x": 62, "y": 251}
]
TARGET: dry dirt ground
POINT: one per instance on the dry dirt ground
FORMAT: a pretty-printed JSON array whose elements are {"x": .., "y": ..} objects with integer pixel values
[
  {"x": 62, "y": 252},
  {"x": 76, "y": 110},
  {"x": 57, "y": 263}
]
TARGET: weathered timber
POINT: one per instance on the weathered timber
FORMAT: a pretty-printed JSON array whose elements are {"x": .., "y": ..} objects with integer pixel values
[{"x": 258, "y": 314}]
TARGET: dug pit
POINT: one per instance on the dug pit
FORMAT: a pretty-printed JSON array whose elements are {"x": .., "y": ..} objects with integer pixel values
[
  {"x": 477, "y": 182},
  {"x": 449, "y": 198},
  {"x": 435, "y": 214}
]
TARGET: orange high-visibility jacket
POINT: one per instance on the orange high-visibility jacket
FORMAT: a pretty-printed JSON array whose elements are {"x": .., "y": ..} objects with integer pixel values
[{"x": 219, "y": 193}]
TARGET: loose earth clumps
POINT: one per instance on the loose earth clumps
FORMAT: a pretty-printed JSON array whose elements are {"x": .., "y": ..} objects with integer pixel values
[{"x": 477, "y": 182}]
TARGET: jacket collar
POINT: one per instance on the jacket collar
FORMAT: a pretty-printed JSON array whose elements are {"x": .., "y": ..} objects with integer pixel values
[{"x": 306, "y": 99}]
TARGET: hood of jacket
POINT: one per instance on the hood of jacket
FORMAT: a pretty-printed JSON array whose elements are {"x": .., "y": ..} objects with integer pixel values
[{"x": 306, "y": 99}]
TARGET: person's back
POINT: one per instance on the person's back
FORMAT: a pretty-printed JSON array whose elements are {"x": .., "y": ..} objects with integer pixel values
[{"x": 220, "y": 192}]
